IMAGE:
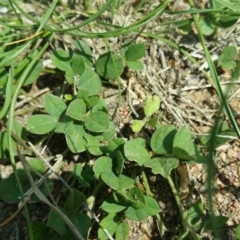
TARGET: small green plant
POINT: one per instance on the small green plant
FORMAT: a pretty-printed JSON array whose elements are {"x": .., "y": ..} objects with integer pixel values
[
  {"x": 85, "y": 123},
  {"x": 81, "y": 116},
  {"x": 227, "y": 58},
  {"x": 152, "y": 105}
]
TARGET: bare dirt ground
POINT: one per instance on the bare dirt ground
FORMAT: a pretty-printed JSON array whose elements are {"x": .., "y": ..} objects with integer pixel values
[{"x": 187, "y": 98}]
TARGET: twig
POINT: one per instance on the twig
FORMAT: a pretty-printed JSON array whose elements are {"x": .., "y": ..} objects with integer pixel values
[
  {"x": 8, "y": 220},
  {"x": 59, "y": 159},
  {"x": 207, "y": 86},
  {"x": 45, "y": 200},
  {"x": 28, "y": 99}
]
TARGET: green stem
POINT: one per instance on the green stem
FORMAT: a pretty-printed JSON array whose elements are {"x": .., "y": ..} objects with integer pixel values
[
  {"x": 179, "y": 204},
  {"x": 161, "y": 225},
  {"x": 91, "y": 200},
  {"x": 146, "y": 185},
  {"x": 187, "y": 228}
]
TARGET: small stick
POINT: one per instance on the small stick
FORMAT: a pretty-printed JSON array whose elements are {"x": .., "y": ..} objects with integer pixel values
[
  {"x": 45, "y": 200},
  {"x": 8, "y": 220},
  {"x": 28, "y": 99}
]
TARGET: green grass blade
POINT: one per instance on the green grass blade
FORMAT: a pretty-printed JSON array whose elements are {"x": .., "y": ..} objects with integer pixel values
[
  {"x": 215, "y": 80},
  {"x": 224, "y": 106},
  {"x": 124, "y": 30},
  {"x": 8, "y": 93},
  {"x": 22, "y": 12},
  {"x": 92, "y": 18}
]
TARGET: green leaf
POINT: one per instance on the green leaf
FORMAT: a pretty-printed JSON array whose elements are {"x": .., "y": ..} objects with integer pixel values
[
  {"x": 152, "y": 105},
  {"x": 163, "y": 165},
  {"x": 106, "y": 135},
  {"x": 122, "y": 231},
  {"x": 68, "y": 97},
  {"x": 135, "y": 151},
  {"x": 224, "y": 135},
  {"x": 227, "y": 20},
  {"x": 19, "y": 130},
  {"x": 135, "y": 65},
  {"x": 219, "y": 221},
  {"x": 140, "y": 214},
  {"x": 44, "y": 188},
  {"x": 77, "y": 109},
  {"x": 9, "y": 190},
  {"x": 97, "y": 122},
  {"x": 34, "y": 73},
  {"x": 61, "y": 59},
  {"x": 69, "y": 75},
  {"x": 237, "y": 235},
  {"x": 109, "y": 133},
  {"x": 41, "y": 124},
  {"x": 118, "y": 183},
  {"x": 98, "y": 105},
  {"x": 110, "y": 224},
  {"x": 78, "y": 174},
  {"x": 113, "y": 146},
  {"x": 226, "y": 59},
  {"x": 109, "y": 66},
  {"x": 135, "y": 52},
  {"x": 91, "y": 101},
  {"x": 185, "y": 27},
  {"x": 123, "y": 51},
  {"x": 74, "y": 201},
  {"x": 207, "y": 26},
  {"x": 195, "y": 212},
  {"x": 162, "y": 139},
  {"x": 64, "y": 123},
  {"x": 229, "y": 65},
  {"x": 74, "y": 137},
  {"x": 3, "y": 77},
  {"x": 81, "y": 221},
  {"x": 101, "y": 165},
  {"x": 120, "y": 162},
  {"x": 83, "y": 50},
  {"x": 183, "y": 147},
  {"x": 56, "y": 223},
  {"x": 54, "y": 105},
  {"x": 93, "y": 145},
  {"x": 4, "y": 145},
  {"x": 236, "y": 72},
  {"x": 78, "y": 65},
  {"x": 137, "y": 125},
  {"x": 37, "y": 164},
  {"x": 42, "y": 231},
  {"x": 137, "y": 198},
  {"x": 89, "y": 81},
  {"x": 229, "y": 53},
  {"x": 110, "y": 205}
]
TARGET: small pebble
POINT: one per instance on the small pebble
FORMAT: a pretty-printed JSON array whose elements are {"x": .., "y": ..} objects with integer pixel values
[
  {"x": 223, "y": 157},
  {"x": 202, "y": 188},
  {"x": 220, "y": 198}
]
